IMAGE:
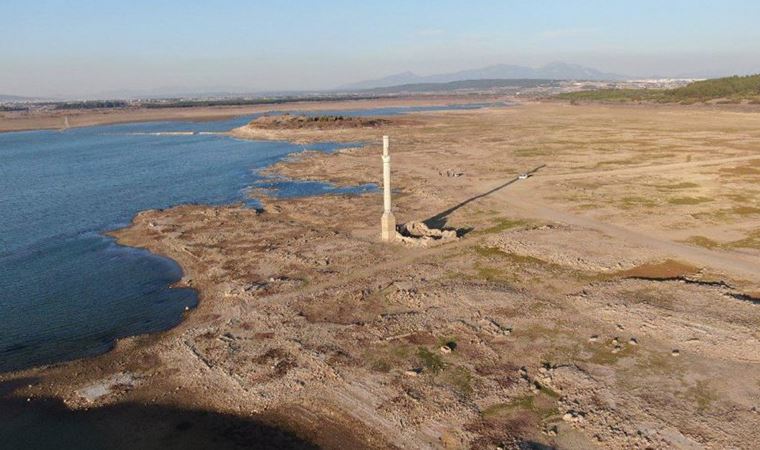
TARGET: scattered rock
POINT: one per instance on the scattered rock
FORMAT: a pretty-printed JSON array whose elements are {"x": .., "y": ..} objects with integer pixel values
[
  {"x": 594, "y": 338},
  {"x": 445, "y": 349},
  {"x": 419, "y": 234},
  {"x": 253, "y": 287},
  {"x": 573, "y": 417},
  {"x": 633, "y": 341},
  {"x": 499, "y": 328},
  {"x": 451, "y": 173},
  {"x": 296, "y": 122},
  {"x": 675, "y": 352},
  {"x": 413, "y": 372}
]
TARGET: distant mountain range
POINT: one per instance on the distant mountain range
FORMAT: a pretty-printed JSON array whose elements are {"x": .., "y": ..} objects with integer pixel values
[
  {"x": 483, "y": 84},
  {"x": 553, "y": 71}
]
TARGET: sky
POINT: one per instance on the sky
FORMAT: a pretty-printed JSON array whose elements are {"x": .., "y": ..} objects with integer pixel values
[{"x": 82, "y": 48}]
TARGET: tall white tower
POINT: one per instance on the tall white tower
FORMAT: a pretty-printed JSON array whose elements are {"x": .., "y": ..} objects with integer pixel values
[{"x": 388, "y": 222}]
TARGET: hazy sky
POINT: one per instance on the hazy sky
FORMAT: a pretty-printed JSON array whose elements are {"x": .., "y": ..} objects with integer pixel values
[{"x": 82, "y": 48}]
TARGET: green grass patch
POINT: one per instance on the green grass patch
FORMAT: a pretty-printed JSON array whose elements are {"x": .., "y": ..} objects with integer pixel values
[
  {"x": 603, "y": 353},
  {"x": 504, "y": 224},
  {"x": 430, "y": 360},
  {"x": 729, "y": 89},
  {"x": 535, "y": 332},
  {"x": 381, "y": 365},
  {"x": 615, "y": 95},
  {"x": 494, "y": 275},
  {"x": 387, "y": 357},
  {"x": 540, "y": 404},
  {"x": 459, "y": 378}
]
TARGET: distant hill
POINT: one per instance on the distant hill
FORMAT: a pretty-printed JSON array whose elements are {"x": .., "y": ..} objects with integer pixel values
[
  {"x": 734, "y": 89},
  {"x": 553, "y": 71},
  {"x": 461, "y": 85},
  {"x": 730, "y": 87}
]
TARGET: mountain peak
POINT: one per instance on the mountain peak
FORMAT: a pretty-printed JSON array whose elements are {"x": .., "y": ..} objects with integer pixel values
[{"x": 555, "y": 71}]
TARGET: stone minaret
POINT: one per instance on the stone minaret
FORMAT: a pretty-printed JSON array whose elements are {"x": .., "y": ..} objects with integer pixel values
[{"x": 388, "y": 222}]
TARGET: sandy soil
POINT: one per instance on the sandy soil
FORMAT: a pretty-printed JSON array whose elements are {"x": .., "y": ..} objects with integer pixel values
[{"x": 611, "y": 300}]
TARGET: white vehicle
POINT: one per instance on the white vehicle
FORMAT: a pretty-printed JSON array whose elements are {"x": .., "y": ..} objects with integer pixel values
[{"x": 523, "y": 176}]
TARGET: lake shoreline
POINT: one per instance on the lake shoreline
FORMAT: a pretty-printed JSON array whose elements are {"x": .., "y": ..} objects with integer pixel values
[
  {"x": 14, "y": 122},
  {"x": 308, "y": 322},
  {"x": 52, "y": 407},
  {"x": 28, "y": 353}
]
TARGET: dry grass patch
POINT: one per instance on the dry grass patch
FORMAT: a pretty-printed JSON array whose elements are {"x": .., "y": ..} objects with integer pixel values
[
  {"x": 728, "y": 213},
  {"x": 636, "y": 202},
  {"x": 701, "y": 394},
  {"x": 745, "y": 210},
  {"x": 751, "y": 169},
  {"x": 532, "y": 151},
  {"x": 675, "y": 187},
  {"x": 702, "y": 241},
  {"x": 689, "y": 200},
  {"x": 751, "y": 241},
  {"x": 665, "y": 270}
]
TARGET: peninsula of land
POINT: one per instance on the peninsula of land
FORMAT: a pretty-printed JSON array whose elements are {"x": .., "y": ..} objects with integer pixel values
[{"x": 72, "y": 118}]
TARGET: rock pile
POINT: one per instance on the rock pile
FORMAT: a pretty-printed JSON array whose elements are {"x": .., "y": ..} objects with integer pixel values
[{"x": 419, "y": 234}]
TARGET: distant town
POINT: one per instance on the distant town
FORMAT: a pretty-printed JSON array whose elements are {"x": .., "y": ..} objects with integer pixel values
[{"x": 523, "y": 88}]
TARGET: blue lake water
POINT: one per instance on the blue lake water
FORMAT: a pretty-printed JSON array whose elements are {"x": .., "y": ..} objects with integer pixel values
[{"x": 67, "y": 291}]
